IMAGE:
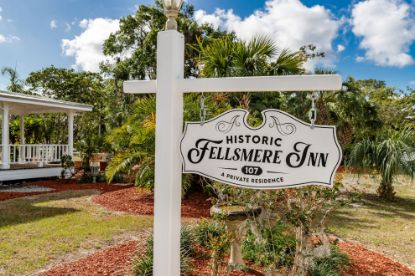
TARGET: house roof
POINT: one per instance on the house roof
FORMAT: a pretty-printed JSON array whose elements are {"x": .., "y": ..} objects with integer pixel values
[{"x": 21, "y": 104}]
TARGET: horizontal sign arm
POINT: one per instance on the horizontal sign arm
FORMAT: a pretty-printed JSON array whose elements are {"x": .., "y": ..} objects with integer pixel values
[
  {"x": 260, "y": 84},
  {"x": 244, "y": 84},
  {"x": 140, "y": 86}
]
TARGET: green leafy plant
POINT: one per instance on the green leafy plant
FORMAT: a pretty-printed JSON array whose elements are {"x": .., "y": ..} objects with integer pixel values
[
  {"x": 330, "y": 265},
  {"x": 143, "y": 264},
  {"x": 67, "y": 165},
  {"x": 275, "y": 247},
  {"x": 213, "y": 236},
  {"x": 133, "y": 143},
  {"x": 307, "y": 210},
  {"x": 389, "y": 153},
  {"x": 304, "y": 211}
]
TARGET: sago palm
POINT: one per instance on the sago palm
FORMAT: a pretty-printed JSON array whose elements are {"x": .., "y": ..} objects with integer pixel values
[{"x": 389, "y": 154}]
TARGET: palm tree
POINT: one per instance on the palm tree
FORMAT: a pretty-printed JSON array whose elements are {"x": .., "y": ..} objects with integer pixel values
[
  {"x": 389, "y": 154},
  {"x": 134, "y": 144},
  {"x": 216, "y": 57},
  {"x": 350, "y": 110},
  {"x": 252, "y": 58},
  {"x": 15, "y": 84},
  {"x": 228, "y": 56}
]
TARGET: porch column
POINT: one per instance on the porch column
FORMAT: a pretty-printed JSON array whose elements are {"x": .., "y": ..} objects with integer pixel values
[
  {"x": 5, "y": 156},
  {"x": 22, "y": 139},
  {"x": 71, "y": 115},
  {"x": 22, "y": 152}
]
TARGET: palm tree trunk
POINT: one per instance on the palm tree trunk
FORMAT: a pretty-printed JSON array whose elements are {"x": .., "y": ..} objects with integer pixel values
[{"x": 386, "y": 190}]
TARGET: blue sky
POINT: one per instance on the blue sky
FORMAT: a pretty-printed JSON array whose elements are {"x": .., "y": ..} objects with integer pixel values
[{"x": 365, "y": 39}]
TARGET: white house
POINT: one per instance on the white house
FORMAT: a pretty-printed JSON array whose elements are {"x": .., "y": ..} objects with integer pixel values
[{"x": 24, "y": 161}]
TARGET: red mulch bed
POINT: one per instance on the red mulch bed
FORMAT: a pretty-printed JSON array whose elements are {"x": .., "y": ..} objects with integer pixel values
[
  {"x": 115, "y": 260},
  {"x": 370, "y": 263},
  {"x": 140, "y": 202},
  {"x": 60, "y": 186}
]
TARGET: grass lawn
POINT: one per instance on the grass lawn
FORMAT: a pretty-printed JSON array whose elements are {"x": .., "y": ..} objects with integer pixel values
[
  {"x": 387, "y": 227},
  {"x": 39, "y": 230}
]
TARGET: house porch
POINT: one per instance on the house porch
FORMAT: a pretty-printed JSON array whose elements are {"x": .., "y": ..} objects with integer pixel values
[{"x": 23, "y": 161}]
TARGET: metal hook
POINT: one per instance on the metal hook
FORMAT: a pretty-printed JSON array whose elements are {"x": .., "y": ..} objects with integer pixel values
[
  {"x": 312, "y": 114},
  {"x": 202, "y": 109}
]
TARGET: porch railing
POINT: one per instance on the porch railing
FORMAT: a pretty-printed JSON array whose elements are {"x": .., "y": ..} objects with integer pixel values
[{"x": 36, "y": 153}]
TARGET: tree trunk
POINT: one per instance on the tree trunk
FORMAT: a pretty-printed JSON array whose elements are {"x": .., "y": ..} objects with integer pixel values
[
  {"x": 299, "y": 268},
  {"x": 386, "y": 190},
  {"x": 215, "y": 265}
]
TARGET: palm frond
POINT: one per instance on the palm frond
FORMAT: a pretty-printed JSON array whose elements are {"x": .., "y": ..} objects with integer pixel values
[
  {"x": 121, "y": 163},
  {"x": 288, "y": 63}
]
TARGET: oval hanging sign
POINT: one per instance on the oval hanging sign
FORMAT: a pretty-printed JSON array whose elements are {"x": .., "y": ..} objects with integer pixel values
[{"x": 283, "y": 152}]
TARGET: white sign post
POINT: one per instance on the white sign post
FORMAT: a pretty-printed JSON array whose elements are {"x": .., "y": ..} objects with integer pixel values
[{"x": 169, "y": 88}]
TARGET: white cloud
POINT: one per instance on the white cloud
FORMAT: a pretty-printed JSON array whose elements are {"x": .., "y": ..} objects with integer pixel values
[
  {"x": 8, "y": 39},
  {"x": 13, "y": 38},
  {"x": 340, "y": 48},
  {"x": 84, "y": 23},
  {"x": 360, "y": 59},
  {"x": 87, "y": 47},
  {"x": 412, "y": 83},
  {"x": 68, "y": 27},
  {"x": 53, "y": 24},
  {"x": 387, "y": 28},
  {"x": 289, "y": 22},
  {"x": 215, "y": 20}
]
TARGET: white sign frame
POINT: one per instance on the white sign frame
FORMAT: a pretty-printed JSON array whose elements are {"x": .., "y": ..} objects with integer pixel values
[{"x": 234, "y": 123}]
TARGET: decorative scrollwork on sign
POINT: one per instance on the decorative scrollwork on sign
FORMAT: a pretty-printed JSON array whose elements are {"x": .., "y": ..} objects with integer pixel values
[
  {"x": 282, "y": 128},
  {"x": 225, "y": 127}
]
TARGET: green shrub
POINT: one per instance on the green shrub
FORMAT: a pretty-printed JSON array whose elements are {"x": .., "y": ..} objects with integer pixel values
[
  {"x": 273, "y": 248},
  {"x": 66, "y": 164},
  {"x": 186, "y": 241},
  {"x": 213, "y": 236},
  {"x": 88, "y": 178},
  {"x": 329, "y": 265},
  {"x": 143, "y": 265},
  {"x": 208, "y": 230}
]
